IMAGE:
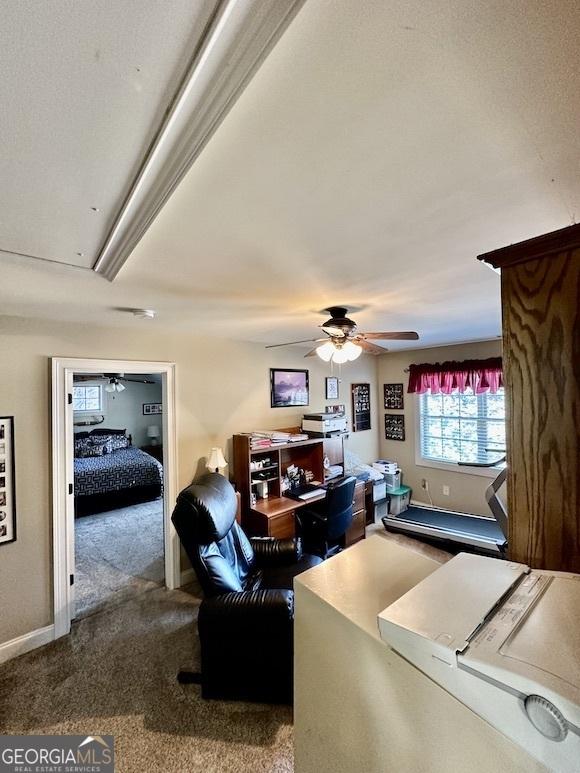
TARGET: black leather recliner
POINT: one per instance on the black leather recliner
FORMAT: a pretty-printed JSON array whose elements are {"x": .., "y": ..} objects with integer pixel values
[{"x": 246, "y": 619}]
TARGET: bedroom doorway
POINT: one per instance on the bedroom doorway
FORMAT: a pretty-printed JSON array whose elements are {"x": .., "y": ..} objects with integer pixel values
[
  {"x": 113, "y": 484},
  {"x": 118, "y": 488}
]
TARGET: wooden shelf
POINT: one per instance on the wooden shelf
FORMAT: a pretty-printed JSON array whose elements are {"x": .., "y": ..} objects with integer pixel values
[{"x": 282, "y": 446}]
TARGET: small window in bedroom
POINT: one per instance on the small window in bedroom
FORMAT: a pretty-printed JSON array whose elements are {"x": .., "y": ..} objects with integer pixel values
[{"x": 87, "y": 398}]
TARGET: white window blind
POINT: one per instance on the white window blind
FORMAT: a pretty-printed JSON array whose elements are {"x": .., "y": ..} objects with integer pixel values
[
  {"x": 87, "y": 398},
  {"x": 462, "y": 427}
]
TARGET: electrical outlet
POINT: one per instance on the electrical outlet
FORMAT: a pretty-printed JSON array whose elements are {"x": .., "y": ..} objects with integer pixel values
[{"x": 445, "y": 491}]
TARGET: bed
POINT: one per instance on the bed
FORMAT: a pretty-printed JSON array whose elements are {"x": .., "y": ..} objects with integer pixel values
[{"x": 116, "y": 478}]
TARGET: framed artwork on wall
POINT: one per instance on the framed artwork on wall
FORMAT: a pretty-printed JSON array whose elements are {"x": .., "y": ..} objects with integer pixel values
[
  {"x": 394, "y": 397},
  {"x": 394, "y": 426},
  {"x": 361, "y": 407},
  {"x": 152, "y": 409},
  {"x": 331, "y": 388},
  {"x": 288, "y": 387},
  {"x": 7, "y": 481}
]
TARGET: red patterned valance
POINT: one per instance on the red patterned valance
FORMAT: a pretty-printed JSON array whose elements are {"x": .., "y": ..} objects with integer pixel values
[{"x": 445, "y": 377}]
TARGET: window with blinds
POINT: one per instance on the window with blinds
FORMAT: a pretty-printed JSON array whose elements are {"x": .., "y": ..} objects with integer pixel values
[{"x": 462, "y": 427}]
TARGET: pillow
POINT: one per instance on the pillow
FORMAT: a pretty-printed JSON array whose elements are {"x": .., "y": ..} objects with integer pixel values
[
  {"x": 114, "y": 442},
  {"x": 85, "y": 447},
  {"x": 118, "y": 442},
  {"x": 95, "y": 449}
]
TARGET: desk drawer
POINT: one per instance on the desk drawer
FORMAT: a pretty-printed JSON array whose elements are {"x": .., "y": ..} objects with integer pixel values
[
  {"x": 282, "y": 526},
  {"x": 356, "y": 531},
  {"x": 358, "y": 503}
]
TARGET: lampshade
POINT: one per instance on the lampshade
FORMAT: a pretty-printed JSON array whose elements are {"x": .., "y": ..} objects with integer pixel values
[
  {"x": 110, "y": 388},
  {"x": 120, "y": 387},
  {"x": 153, "y": 431},
  {"x": 216, "y": 460},
  {"x": 339, "y": 356},
  {"x": 325, "y": 351},
  {"x": 351, "y": 350}
]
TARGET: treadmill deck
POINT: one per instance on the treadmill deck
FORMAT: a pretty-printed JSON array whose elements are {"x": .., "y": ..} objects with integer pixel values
[{"x": 454, "y": 527}]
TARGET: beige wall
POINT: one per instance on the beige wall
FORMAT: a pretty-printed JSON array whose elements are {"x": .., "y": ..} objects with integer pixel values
[
  {"x": 466, "y": 491},
  {"x": 222, "y": 388}
]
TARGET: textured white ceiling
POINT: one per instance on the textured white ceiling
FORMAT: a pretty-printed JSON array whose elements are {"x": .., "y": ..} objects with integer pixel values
[
  {"x": 84, "y": 86},
  {"x": 377, "y": 151}
]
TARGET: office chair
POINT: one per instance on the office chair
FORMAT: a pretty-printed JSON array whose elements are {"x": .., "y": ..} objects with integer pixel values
[
  {"x": 324, "y": 524},
  {"x": 246, "y": 619}
]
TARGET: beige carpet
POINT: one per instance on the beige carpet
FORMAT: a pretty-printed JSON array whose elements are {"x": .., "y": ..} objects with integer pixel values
[{"x": 116, "y": 674}]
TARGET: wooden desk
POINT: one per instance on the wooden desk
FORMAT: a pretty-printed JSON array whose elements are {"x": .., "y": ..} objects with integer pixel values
[{"x": 275, "y": 516}]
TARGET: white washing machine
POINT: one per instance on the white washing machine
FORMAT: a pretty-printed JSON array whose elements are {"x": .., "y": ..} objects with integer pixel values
[{"x": 505, "y": 641}]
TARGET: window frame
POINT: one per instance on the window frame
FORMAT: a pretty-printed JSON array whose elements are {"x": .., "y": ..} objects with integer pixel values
[
  {"x": 422, "y": 461},
  {"x": 100, "y": 409}
]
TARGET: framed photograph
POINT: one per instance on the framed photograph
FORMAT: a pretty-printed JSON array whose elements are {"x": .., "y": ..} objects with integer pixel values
[
  {"x": 394, "y": 400},
  {"x": 151, "y": 409},
  {"x": 7, "y": 481},
  {"x": 331, "y": 388},
  {"x": 394, "y": 426},
  {"x": 361, "y": 407},
  {"x": 288, "y": 388}
]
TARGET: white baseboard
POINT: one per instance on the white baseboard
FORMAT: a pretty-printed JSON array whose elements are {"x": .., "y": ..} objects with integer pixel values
[
  {"x": 26, "y": 642},
  {"x": 187, "y": 576}
]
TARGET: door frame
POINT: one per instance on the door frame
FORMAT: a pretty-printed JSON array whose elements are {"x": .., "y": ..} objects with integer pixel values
[{"x": 63, "y": 472}]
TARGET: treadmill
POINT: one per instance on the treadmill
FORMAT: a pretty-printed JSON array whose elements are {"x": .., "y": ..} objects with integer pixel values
[{"x": 474, "y": 533}]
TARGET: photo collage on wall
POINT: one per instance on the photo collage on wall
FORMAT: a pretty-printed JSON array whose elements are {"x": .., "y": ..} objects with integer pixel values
[
  {"x": 7, "y": 497},
  {"x": 394, "y": 401}
]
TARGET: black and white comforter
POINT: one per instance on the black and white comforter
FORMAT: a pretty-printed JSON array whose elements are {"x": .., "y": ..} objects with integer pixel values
[{"x": 123, "y": 469}]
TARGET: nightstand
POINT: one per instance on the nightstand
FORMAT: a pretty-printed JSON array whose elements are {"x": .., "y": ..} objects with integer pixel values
[{"x": 155, "y": 451}]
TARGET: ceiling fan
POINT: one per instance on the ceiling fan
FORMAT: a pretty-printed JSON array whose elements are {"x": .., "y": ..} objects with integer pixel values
[
  {"x": 343, "y": 343},
  {"x": 114, "y": 380}
]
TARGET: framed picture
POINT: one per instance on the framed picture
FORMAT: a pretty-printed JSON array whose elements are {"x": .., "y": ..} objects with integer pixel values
[
  {"x": 331, "y": 388},
  {"x": 361, "y": 407},
  {"x": 288, "y": 388},
  {"x": 394, "y": 426},
  {"x": 7, "y": 481},
  {"x": 151, "y": 409},
  {"x": 394, "y": 399}
]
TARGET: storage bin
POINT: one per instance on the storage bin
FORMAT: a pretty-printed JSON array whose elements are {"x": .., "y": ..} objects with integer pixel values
[
  {"x": 393, "y": 480},
  {"x": 400, "y": 499}
]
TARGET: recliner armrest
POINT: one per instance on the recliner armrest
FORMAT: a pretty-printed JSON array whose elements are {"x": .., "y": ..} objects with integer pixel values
[
  {"x": 246, "y": 610},
  {"x": 270, "y": 551}
]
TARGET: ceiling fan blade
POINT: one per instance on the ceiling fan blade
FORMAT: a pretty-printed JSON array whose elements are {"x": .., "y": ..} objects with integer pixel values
[
  {"x": 137, "y": 380},
  {"x": 88, "y": 377},
  {"x": 370, "y": 348},
  {"x": 311, "y": 353},
  {"x": 408, "y": 335},
  {"x": 291, "y": 343}
]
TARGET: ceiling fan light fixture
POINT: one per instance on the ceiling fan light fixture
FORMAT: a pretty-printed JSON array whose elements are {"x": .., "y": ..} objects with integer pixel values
[
  {"x": 120, "y": 387},
  {"x": 352, "y": 350},
  {"x": 326, "y": 351},
  {"x": 109, "y": 388},
  {"x": 340, "y": 356}
]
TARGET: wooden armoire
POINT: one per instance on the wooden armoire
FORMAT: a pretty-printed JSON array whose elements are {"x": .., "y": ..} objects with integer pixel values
[{"x": 540, "y": 295}]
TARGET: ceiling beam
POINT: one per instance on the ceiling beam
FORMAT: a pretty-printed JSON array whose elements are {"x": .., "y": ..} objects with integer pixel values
[{"x": 240, "y": 37}]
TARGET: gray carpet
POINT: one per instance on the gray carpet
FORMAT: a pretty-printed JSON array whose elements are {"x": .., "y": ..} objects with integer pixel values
[
  {"x": 118, "y": 555},
  {"x": 116, "y": 674}
]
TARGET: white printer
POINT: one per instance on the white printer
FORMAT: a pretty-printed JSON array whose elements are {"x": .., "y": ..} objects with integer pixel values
[
  {"x": 324, "y": 423},
  {"x": 505, "y": 641}
]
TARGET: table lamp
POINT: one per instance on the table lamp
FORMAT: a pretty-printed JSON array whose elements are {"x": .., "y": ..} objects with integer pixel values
[
  {"x": 153, "y": 432},
  {"x": 215, "y": 461}
]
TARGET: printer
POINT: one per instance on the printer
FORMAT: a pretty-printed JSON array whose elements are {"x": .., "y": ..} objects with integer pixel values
[
  {"x": 505, "y": 641},
  {"x": 324, "y": 423}
]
